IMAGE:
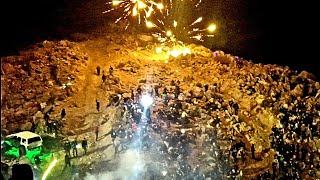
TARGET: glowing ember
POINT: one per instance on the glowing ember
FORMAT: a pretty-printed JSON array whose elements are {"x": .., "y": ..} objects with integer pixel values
[
  {"x": 175, "y": 23},
  {"x": 212, "y": 27},
  {"x": 169, "y": 33},
  {"x": 173, "y": 49},
  {"x": 149, "y": 24}
]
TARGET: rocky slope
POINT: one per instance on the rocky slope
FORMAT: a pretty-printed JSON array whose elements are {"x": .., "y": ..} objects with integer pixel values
[
  {"x": 62, "y": 74},
  {"x": 42, "y": 74}
]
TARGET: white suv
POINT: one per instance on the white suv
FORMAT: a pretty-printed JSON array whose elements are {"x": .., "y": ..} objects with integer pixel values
[{"x": 27, "y": 139}]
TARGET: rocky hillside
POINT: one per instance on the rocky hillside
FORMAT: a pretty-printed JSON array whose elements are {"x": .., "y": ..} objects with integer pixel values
[
  {"x": 42, "y": 74},
  {"x": 205, "y": 84}
]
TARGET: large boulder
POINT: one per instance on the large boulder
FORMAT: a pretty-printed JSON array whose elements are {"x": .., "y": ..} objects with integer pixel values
[
  {"x": 298, "y": 90},
  {"x": 7, "y": 68},
  {"x": 26, "y": 126},
  {"x": 306, "y": 75}
]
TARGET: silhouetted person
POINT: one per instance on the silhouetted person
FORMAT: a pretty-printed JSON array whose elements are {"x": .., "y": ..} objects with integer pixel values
[
  {"x": 98, "y": 70},
  {"x": 156, "y": 90},
  {"x": 236, "y": 108},
  {"x": 97, "y": 132},
  {"x": 98, "y": 105},
  {"x": 74, "y": 148},
  {"x": 176, "y": 92},
  {"x": 67, "y": 160},
  {"x": 21, "y": 172},
  {"x": 139, "y": 91},
  {"x": 252, "y": 151},
  {"x": 132, "y": 95},
  {"x": 215, "y": 86},
  {"x": 84, "y": 145},
  {"x": 206, "y": 87},
  {"x": 53, "y": 72},
  {"x": 63, "y": 113},
  {"x": 111, "y": 70},
  {"x": 104, "y": 77},
  {"x": 67, "y": 148},
  {"x": 46, "y": 117},
  {"x": 37, "y": 160},
  {"x": 172, "y": 83}
]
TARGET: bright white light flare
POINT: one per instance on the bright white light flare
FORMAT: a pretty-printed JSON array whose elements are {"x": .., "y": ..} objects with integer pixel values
[{"x": 146, "y": 100}]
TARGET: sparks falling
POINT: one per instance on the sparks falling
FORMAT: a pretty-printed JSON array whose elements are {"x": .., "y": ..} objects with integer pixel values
[
  {"x": 157, "y": 17},
  {"x": 167, "y": 32},
  {"x": 141, "y": 10}
]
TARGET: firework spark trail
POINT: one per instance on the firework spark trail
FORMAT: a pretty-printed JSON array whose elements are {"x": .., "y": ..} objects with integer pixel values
[
  {"x": 199, "y": 2},
  {"x": 144, "y": 9},
  {"x": 141, "y": 9},
  {"x": 167, "y": 32},
  {"x": 157, "y": 16}
]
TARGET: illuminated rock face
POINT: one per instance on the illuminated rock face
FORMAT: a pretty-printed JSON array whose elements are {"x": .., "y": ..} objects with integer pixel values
[
  {"x": 37, "y": 76},
  {"x": 249, "y": 85}
]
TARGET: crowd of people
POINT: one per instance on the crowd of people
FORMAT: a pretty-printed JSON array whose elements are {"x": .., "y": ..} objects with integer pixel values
[
  {"x": 202, "y": 131},
  {"x": 171, "y": 128},
  {"x": 185, "y": 119}
]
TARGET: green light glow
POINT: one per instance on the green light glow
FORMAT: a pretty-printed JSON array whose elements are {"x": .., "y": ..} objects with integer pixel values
[
  {"x": 13, "y": 152},
  {"x": 30, "y": 154}
]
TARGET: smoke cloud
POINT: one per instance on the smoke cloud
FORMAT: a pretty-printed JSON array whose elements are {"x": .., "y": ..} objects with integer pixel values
[{"x": 131, "y": 166}]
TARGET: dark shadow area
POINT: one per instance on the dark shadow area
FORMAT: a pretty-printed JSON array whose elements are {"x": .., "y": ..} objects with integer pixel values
[
  {"x": 269, "y": 32},
  {"x": 28, "y": 22}
]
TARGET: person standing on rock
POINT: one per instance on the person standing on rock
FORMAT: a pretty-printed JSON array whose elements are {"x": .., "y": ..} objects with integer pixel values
[
  {"x": 132, "y": 95},
  {"x": 111, "y": 70},
  {"x": 177, "y": 92},
  {"x": 67, "y": 160},
  {"x": 139, "y": 91},
  {"x": 165, "y": 91},
  {"x": 97, "y": 132},
  {"x": 63, "y": 113},
  {"x": 98, "y": 70},
  {"x": 235, "y": 107},
  {"x": 215, "y": 86},
  {"x": 67, "y": 148},
  {"x": 252, "y": 151},
  {"x": 74, "y": 148},
  {"x": 84, "y": 144},
  {"x": 156, "y": 90},
  {"x": 37, "y": 160},
  {"x": 97, "y": 105},
  {"x": 104, "y": 77}
]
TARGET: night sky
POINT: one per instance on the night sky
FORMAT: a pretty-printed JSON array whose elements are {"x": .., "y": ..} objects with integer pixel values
[{"x": 263, "y": 31}]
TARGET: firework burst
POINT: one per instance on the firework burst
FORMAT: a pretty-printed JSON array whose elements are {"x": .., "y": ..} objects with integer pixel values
[
  {"x": 157, "y": 16},
  {"x": 167, "y": 32},
  {"x": 142, "y": 10}
]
